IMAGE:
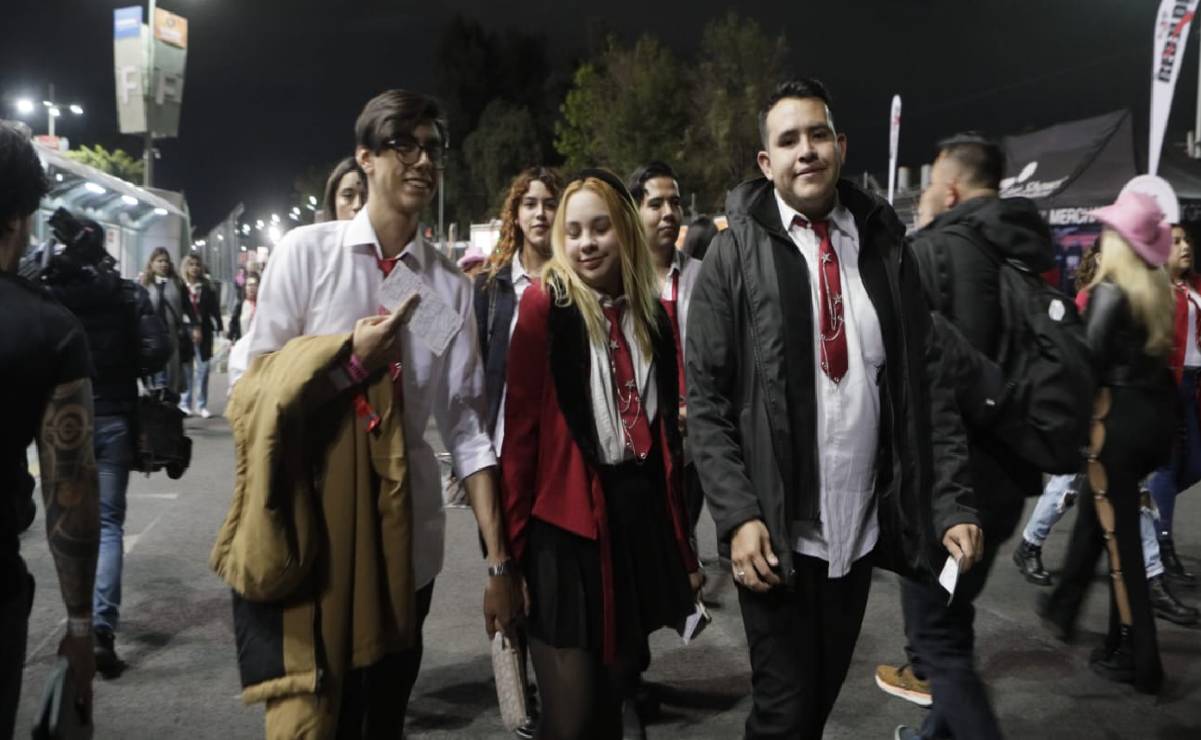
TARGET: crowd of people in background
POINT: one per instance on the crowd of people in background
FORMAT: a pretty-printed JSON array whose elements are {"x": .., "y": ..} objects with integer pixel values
[{"x": 842, "y": 395}]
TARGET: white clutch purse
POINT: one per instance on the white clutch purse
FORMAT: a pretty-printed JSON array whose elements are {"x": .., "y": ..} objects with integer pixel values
[{"x": 510, "y": 682}]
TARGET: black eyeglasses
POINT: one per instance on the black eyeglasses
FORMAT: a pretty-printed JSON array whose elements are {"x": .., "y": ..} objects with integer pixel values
[{"x": 409, "y": 150}]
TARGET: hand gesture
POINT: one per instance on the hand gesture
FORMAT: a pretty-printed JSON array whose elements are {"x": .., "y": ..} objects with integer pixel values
[{"x": 374, "y": 340}]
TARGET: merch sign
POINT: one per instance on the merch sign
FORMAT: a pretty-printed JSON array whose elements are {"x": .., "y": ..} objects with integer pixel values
[{"x": 1171, "y": 32}]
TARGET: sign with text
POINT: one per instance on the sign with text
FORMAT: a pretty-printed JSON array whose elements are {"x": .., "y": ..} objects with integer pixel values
[
  {"x": 170, "y": 28},
  {"x": 127, "y": 22},
  {"x": 129, "y": 65},
  {"x": 1171, "y": 33},
  {"x": 149, "y": 98}
]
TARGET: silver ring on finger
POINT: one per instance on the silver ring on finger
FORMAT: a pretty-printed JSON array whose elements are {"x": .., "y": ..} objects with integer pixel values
[{"x": 739, "y": 574}]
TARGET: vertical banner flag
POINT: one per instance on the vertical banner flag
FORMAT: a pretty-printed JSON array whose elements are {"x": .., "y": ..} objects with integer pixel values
[
  {"x": 1171, "y": 32},
  {"x": 894, "y": 135}
]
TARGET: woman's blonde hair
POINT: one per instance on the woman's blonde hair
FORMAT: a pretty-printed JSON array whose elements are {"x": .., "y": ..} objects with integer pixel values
[
  {"x": 639, "y": 282},
  {"x": 1148, "y": 289}
]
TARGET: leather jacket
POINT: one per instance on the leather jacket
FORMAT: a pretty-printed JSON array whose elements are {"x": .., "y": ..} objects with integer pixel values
[{"x": 1118, "y": 341}]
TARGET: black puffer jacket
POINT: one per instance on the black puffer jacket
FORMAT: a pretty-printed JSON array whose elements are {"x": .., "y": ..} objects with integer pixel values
[
  {"x": 126, "y": 337},
  {"x": 961, "y": 280}
]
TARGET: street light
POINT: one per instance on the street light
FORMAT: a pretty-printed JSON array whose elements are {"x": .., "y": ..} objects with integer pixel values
[
  {"x": 24, "y": 106},
  {"x": 77, "y": 109}
]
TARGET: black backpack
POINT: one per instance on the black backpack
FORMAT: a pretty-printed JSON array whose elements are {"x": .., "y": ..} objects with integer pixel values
[{"x": 1045, "y": 359}]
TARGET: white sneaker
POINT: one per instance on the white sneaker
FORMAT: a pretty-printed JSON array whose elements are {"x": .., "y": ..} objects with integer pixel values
[
  {"x": 186, "y": 411},
  {"x": 205, "y": 413}
]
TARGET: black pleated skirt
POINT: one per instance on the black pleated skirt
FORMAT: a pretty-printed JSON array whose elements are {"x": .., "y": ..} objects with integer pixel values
[{"x": 651, "y": 590}]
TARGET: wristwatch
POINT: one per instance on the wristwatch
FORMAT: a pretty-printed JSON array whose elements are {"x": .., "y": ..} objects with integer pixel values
[{"x": 502, "y": 569}]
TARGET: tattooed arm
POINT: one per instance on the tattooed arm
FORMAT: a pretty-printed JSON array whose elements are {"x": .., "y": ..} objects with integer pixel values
[{"x": 70, "y": 492}]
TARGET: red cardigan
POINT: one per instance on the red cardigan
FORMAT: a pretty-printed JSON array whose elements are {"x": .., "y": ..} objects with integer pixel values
[
  {"x": 548, "y": 458},
  {"x": 1180, "y": 344}
]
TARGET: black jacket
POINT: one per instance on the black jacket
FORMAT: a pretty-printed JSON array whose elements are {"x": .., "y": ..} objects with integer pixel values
[
  {"x": 126, "y": 337},
  {"x": 960, "y": 254},
  {"x": 754, "y": 460},
  {"x": 207, "y": 314},
  {"x": 495, "y": 303},
  {"x": 1118, "y": 342}
]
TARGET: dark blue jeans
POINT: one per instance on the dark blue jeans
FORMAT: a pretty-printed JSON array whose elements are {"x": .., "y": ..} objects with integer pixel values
[
  {"x": 113, "y": 443},
  {"x": 1185, "y": 467}
]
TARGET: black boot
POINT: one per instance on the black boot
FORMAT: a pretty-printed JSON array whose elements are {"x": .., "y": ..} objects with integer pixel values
[
  {"x": 1029, "y": 560},
  {"x": 108, "y": 664},
  {"x": 1115, "y": 663},
  {"x": 1167, "y": 606},
  {"x": 1173, "y": 568}
]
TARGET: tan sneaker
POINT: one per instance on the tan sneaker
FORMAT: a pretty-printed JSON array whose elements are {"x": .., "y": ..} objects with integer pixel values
[{"x": 901, "y": 683}]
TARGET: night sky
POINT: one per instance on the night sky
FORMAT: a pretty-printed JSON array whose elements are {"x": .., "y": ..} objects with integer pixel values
[{"x": 273, "y": 87}]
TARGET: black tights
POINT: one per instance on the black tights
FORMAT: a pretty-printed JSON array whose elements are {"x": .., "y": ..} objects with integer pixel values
[{"x": 581, "y": 696}]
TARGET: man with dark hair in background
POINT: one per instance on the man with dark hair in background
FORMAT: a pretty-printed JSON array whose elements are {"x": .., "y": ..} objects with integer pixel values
[
  {"x": 656, "y": 192},
  {"x": 46, "y": 394},
  {"x": 127, "y": 340},
  {"x": 825, "y": 437},
  {"x": 326, "y": 279},
  {"x": 967, "y": 232}
]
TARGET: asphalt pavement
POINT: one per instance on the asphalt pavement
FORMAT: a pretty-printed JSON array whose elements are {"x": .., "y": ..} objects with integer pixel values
[{"x": 176, "y": 635}]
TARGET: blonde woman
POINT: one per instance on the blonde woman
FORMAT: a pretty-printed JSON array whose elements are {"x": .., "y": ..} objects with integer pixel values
[
  {"x": 1129, "y": 328},
  {"x": 591, "y": 463}
]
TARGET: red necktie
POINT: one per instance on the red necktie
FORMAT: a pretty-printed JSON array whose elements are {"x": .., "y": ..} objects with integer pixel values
[
  {"x": 636, "y": 427},
  {"x": 671, "y": 305},
  {"x": 386, "y": 265},
  {"x": 829, "y": 296},
  {"x": 362, "y": 407}
]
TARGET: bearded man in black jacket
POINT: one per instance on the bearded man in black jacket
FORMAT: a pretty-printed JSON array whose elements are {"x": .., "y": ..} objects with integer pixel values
[
  {"x": 968, "y": 232},
  {"x": 826, "y": 438}
]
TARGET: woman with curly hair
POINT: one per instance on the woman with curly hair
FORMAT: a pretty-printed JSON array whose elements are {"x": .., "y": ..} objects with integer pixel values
[{"x": 517, "y": 259}]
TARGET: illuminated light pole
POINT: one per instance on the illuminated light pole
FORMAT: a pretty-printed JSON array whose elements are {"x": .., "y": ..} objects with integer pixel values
[{"x": 54, "y": 109}]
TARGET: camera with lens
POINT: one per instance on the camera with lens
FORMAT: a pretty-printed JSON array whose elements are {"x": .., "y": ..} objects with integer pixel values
[{"x": 76, "y": 249}]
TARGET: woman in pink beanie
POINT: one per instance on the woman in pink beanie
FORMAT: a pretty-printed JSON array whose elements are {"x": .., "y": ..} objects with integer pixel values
[{"x": 1130, "y": 332}]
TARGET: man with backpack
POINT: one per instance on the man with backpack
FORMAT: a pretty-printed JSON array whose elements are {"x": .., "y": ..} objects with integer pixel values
[
  {"x": 980, "y": 258},
  {"x": 127, "y": 340}
]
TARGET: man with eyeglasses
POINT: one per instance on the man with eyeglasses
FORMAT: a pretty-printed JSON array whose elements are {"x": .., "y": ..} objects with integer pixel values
[{"x": 326, "y": 279}]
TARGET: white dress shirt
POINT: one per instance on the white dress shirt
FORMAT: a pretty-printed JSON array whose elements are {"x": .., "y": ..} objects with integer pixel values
[
  {"x": 521, "y": 281},
  {"x": 1192, "y": 353},
  {"x": 323, "y": 278},
  {"x": 688, "y": 270},
  {"x": 848, "y": 412},
  {"x": 610, "y": 434}
]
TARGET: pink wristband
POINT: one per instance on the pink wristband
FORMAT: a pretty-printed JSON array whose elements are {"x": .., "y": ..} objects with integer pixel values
[{"x": 355, "y": 369}]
